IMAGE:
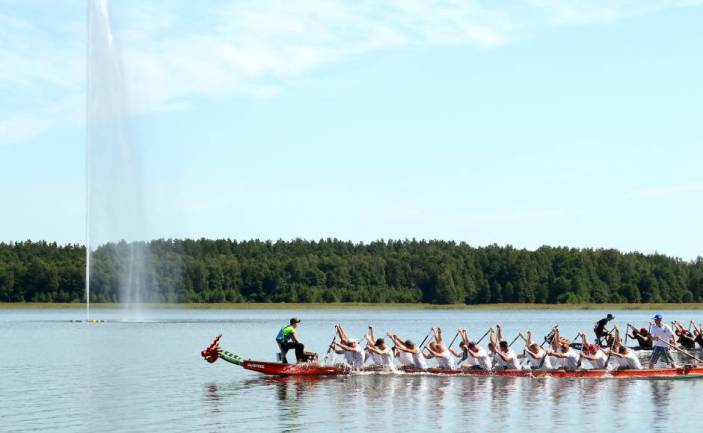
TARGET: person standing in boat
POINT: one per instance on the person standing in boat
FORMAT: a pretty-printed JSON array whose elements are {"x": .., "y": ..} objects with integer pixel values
[
  {"x": 409, "y": 355},
  {"x": 349, "y": 347},
  {"x": 381, "y": 354},
  {"x": 662, "y": 335},
  {"x": 287, "y": 339},
  {"x": 600, "y": 329}
]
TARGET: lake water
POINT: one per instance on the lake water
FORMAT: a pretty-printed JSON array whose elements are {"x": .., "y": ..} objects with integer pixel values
[{"x": 117, "y": 376}]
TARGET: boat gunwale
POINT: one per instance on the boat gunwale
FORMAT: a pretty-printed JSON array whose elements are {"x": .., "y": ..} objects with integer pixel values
[{"x": 312, "y": 369}]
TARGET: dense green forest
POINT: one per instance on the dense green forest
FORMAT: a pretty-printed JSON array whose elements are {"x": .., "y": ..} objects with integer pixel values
[{"x": 336, "y": 271}]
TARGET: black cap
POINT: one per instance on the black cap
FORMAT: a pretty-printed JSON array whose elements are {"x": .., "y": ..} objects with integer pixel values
[
  {"x": 610, "y": 317},
  {"x": 294, "y": 320}
]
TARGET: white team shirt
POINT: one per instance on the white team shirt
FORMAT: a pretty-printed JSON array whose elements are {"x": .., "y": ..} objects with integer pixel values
[
  {"x": 600, "y": 360},
  {"x": 384, "y": 359},
  {"x": 445, "y": 360},
  {"x": 481, "y": 358},
  {"x": 665, "y": 333},
  {"x": 536, "y": 363},
  {"x": 355, "y": 358},
  {"x": 513, "y": 364},
  {"x": 406, "y": 359},
  {"x": 630, "y": 361},
  {"x": 419, "y": 361},
  {"x": 571, "y": 360}
]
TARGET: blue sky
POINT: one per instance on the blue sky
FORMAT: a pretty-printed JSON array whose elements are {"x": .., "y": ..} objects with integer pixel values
[{"x": 520, "y": 122}]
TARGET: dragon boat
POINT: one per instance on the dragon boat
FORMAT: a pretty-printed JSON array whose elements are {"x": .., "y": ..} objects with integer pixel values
[{"x": 313, "y": 368}]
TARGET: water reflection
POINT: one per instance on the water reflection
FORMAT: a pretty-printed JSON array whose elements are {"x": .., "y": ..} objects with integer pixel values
[
  {"x": 406, "y": 402},
  {"x": 661, "y": 400}
]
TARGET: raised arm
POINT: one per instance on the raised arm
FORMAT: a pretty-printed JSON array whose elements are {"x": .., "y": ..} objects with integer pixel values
[
  {"x": 437, "y": 332},
  {"x": 500, "y": 333},
  {"x": 584, "y": 339},
  {"x": 464, "y": 336},
  {"x": 369, "y": 339},
  {"x": 341, "y": 333},
  {"x": 373, "y": 337}
]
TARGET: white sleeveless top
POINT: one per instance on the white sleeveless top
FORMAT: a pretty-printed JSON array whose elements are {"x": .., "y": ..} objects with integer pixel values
[
  {"x": 406, "y": 359},
  {"x": 445, "y": 360},
  {"x": 536, "y": 363},
  {"x": 630, "y": 361},
  {"x": 599, "y": 362},
  {"x": 355, "y": 358},
  {"x": 419, "y": 361},
  {"x": 513, "y": 364},
  {"x": 384, "y": 359},
  {"x": 481, "y": 358}
]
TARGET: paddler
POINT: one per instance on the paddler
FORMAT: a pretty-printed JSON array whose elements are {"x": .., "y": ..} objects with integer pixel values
[
  {"x": 627, "y": 359},
  {"x": 661, "y": 335},
  {"x": 600, "y": 329},
  {"x": 537, "y": 358},
  {"x": 643, "y": 337},
  {"x": 409, "y": 355},
  {"x": 287, "y": 339},
  {"x": 476, "y": 356},
  {"x": 686, "y": 339},
  {"x": 439, "y": 351},
  {"x": 593, "y": 354},
  {"x": 381, "y": 354},
  {"x": 505, "y": 356},
  {"x": 567, "y": 357},
  {"x": 698, "y": 334},
  {"x": 349, "y": 347}
]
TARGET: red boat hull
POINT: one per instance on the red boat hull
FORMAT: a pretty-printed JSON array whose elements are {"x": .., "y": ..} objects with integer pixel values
[
  {"x": 311, "y": 369},
  {"x": 306, "y": 369}
]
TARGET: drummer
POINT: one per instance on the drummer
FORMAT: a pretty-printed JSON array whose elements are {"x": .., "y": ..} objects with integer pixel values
[{"x": 287, "y": 339}]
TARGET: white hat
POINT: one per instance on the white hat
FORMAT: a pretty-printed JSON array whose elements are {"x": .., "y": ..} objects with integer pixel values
[{"x": 351, "y": 341}]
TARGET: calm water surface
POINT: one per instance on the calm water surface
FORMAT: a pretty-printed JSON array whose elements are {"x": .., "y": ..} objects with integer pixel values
[{"x": 118, "y": 376}]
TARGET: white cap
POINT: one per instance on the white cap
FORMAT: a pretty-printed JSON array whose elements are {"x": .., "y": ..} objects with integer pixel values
[{"x": 351, "y": 341}]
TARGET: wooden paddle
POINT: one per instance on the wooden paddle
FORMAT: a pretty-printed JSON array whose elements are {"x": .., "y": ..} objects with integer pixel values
[
  {"x": 681, "y": 351},
  {"x": 484, "y": 336},
  {"x": 453, "y": 340},
  {"x": 425, "y": 339},
  {"x": 546, "y": 338},
  {"x": 610, "y": 353},
  {"x": 329, "y": 349},
  {"x": 514, "y": 340}
]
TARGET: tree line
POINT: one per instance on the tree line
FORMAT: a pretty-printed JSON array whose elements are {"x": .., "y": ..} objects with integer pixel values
[{"x": 331, "y": 270}]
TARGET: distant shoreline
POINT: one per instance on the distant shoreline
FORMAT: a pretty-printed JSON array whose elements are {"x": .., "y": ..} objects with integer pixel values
[{"x": 352, "y": 305}]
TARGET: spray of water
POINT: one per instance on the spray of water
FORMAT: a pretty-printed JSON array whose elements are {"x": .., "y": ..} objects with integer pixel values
[{"x": 114, "y": 175}]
